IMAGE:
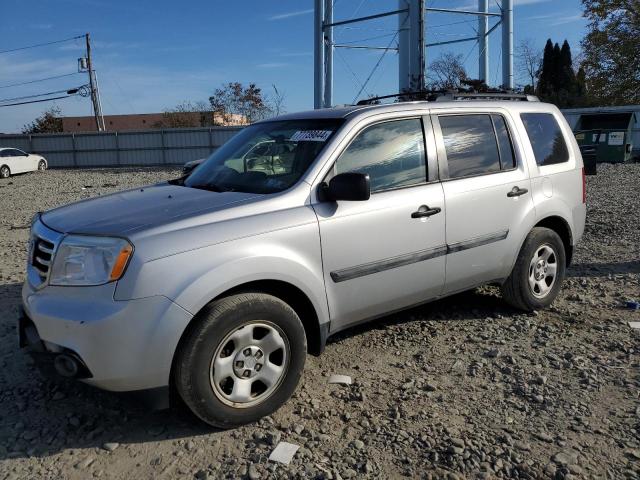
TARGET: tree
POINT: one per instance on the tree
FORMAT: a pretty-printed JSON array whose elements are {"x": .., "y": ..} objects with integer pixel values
[
  {"x": 529, "y": 60},
  {"x": 186, "y": 115},
  {"x": 611, "y": 58},
  {"x": 546, "y": 82},
  {"x": 48, "y": 122},
  {"x": 446, "y": 72},
  {"x": 235, "y": 103},
  {"x": 276, "y": 102},
  {"x": 558, "y": 82},
  {"x": 566, "y": 75}
]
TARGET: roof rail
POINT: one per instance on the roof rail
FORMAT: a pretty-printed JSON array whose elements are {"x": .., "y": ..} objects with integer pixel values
[
  {"x": 450, "y": 95},
  {"x": 487, "y": 96}
]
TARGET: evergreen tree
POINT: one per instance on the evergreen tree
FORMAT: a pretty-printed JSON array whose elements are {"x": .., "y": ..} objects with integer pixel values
[
  {"x": 558, "y": 83},
  {"x": 567, "y": 78},
  {"x": 545, "y": 81},
  {"x": 557, "y": 69}
]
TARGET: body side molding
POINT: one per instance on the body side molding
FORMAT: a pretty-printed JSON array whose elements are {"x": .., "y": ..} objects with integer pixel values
[{"x": 400, "y": 261}]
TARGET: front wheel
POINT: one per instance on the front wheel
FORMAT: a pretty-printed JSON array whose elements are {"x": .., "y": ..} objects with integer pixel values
[
  {"x": 5, "y": 172},
  {"x": 242, "y": 359},
  {"x": 538, "y": 273},
  {"x": 42, "y": 165}
]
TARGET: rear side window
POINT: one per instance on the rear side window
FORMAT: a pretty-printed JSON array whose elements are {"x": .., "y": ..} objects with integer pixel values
[
  {"x": 470, "y": 143},
  {"x": 549, "y": 146},
  {"x": 507, "y": 158},
  {"x": 392, "y": 153}
]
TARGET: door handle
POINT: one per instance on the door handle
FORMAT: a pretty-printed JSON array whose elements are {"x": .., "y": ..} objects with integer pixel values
[
  {"x": 516, "y": 192},
  {"x": 425, "y": 211}
]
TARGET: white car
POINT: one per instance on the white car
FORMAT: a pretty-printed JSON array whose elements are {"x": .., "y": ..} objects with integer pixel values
[{"x": 13, "y": 160}]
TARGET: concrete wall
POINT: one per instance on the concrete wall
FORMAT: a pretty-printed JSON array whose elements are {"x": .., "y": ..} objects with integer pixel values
[{"x": 131, "y": 148}]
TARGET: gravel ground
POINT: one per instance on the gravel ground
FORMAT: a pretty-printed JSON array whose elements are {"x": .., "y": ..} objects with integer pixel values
[{"x": 465, "y": 387}]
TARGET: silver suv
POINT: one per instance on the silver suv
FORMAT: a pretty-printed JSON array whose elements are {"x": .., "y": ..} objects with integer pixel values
[{"x": 218, "y": 284}]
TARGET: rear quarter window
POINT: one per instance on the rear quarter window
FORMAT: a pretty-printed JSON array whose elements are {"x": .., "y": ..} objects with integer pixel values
[{"x": 547, "y": 140}]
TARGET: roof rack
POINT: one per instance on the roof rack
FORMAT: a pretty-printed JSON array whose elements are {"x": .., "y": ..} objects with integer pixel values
[
  {"x": 522, "y": 97},
  {"x": 450, "y": 95}
]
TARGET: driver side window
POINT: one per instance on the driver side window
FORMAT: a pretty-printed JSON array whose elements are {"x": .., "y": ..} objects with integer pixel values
[{"x": 392, "y": 153}]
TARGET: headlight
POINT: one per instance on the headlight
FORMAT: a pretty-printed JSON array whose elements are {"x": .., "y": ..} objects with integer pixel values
[{"x": 82, "y": 260}]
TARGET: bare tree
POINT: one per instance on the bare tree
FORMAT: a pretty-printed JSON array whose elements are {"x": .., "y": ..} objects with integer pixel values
[
  {"x": 529, "y": 60},
  {"x": 446, "y": 72},
  {"x": 276, "y": 102}
]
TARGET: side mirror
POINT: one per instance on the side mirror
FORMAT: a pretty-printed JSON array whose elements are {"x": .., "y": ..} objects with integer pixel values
[{"x": 347, "y": 186}]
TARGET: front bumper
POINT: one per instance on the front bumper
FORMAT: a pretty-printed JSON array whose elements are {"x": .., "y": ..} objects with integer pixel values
[{"x": 125, "y": 345}]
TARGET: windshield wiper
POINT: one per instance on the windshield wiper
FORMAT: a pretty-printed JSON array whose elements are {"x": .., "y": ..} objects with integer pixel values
[{"x": 211, "y": 187}]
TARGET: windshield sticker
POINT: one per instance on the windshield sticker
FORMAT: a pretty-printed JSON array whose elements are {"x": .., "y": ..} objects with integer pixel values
[{"x": 311, "y": 136}]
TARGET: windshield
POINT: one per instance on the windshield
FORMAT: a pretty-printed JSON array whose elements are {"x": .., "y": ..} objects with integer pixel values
[{"x": 264, "y": 158}]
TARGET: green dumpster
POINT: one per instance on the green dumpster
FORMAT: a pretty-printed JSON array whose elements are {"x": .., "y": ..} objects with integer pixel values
[{"x": 608, "y": 133}]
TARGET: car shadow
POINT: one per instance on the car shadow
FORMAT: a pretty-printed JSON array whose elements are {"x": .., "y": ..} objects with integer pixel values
[
  {"x": 603, "y": 269},
  {"x": 472, "y": 304}
]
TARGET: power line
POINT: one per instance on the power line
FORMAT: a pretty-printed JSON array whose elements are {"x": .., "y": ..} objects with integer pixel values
[
  {"x": 42, "y": 44},
  {"x": 339, "y": 55},
  {"x": 37, "y": 101},
  {"x": 378, "y": 64},
  {"x": 37, "y": 95},
  {"x": 39, "y": 80}
]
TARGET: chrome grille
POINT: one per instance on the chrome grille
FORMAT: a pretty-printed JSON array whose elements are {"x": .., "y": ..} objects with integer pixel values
[
  {"x": 42, "y": 256},
  {"x": 42, "y": 250}
]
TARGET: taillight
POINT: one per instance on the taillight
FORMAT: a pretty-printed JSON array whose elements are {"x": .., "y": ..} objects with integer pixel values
[{"x": 584, "y": 187}]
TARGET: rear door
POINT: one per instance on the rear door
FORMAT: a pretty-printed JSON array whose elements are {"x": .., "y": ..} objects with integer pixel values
[
  {"x": 487, "y": 194},
  {"x": 381, "y": 255}
]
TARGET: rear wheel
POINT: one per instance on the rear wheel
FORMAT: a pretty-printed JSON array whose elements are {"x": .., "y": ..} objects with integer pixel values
[
  {"x": 42, "y": 165},
  {"x": 5, "y": 172},
  {"x": 242, "y": 359},
  {"x": 537, "y": 276}
]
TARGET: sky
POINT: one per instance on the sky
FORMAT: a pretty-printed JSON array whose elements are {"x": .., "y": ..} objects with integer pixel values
[{"x": 151, "y": 55}]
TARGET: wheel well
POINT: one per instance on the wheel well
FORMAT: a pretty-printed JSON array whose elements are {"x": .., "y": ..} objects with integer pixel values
[
  {"x": 561, "y": 227},
  {"x": 292, "y": 296},
  {"x": 296, "y": 299}
]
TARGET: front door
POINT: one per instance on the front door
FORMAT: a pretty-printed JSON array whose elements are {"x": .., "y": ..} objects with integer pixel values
[
  {"x": 488, "y": 196},
  {"x": 382, "y": 254}
]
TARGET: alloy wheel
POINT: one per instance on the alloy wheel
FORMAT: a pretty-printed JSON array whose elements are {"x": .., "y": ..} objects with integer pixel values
[{"x": 543, "y": 270}]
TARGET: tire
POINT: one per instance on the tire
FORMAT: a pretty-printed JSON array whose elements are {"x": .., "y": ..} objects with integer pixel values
[
  {"x": 537, "y": 276},
  {"x": 42, "y": 165},
  {"x": 5, "y": 172},
  {"x": 227, "y": 366}
]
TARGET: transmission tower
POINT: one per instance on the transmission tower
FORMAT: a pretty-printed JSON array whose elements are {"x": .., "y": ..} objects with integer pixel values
[{"x": 411, "y": 47}]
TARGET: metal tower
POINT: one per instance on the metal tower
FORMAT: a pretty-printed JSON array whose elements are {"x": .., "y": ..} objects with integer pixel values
[{"x": 411, "y": 44}]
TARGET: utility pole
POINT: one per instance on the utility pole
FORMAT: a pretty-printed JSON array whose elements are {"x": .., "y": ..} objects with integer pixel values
[{"x": 93, "y": 85}]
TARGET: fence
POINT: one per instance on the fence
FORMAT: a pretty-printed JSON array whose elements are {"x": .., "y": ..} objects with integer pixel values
[{"x": 134, "y": 148}]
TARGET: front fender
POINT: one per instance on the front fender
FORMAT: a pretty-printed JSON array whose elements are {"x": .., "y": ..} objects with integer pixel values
[
  {"x": 192, "y": 279},
  {"x": 227, "y": 276}
]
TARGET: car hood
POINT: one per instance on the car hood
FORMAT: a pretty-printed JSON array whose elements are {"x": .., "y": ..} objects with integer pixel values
[{"x": 130, "y": 211}]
